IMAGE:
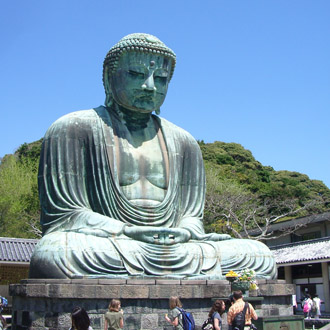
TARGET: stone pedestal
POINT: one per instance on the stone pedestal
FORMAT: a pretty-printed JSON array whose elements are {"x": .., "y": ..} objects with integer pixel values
[{"x": 46, "y": 304}]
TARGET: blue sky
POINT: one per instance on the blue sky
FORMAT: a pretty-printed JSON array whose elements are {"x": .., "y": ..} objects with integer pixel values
[{"x": 251, "y": 72}]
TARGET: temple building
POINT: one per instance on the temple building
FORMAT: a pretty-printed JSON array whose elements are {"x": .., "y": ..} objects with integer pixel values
[
  {"x": 15, "y": 254},
  {"x": 303, "y": 256}
]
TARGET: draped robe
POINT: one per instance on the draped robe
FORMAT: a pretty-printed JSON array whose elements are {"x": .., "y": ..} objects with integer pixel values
[{"x": 84, "y": 210}]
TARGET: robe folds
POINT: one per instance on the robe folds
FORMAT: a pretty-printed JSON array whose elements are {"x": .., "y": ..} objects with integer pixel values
[{"x": 84, "y": 210}]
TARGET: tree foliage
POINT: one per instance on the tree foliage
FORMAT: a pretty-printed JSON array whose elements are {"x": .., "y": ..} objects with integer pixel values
[
  {"x": 19, "y": 202},
  {"x": 243, "y": 194}
]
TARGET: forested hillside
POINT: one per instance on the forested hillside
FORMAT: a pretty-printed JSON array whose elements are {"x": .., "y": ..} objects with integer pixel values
[
  {"x": 241, "y": 192},
  {"x": 235, "y": 163}
]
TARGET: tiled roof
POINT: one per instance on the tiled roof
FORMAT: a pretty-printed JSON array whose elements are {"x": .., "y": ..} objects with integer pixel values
[
  {"x": 16, "y": 249},
  {"x": 311, "y": 250}
]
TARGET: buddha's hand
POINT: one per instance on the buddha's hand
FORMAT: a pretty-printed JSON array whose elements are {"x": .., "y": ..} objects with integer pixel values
[
  {"x": 160, "y": 235},
  {"x": 210, "y": 237}
]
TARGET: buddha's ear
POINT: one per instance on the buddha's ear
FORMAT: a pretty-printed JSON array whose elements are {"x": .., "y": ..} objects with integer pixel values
[
  {"x": 107, "y": 85},
  {"x": 157, "y": 111},
  {"x": 106, "y": 79}
]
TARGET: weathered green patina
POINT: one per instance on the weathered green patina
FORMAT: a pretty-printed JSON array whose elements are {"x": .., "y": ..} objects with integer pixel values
[{"x": 122, "y": 190}]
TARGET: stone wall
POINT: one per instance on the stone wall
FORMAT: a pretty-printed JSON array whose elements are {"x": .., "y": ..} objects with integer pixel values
[{"x": 46, "y": 304}]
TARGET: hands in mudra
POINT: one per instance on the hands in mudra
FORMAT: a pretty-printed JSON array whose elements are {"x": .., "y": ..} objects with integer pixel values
[
  {"x": 168, "y": 236},
  {"x": 160, "y": 235}
]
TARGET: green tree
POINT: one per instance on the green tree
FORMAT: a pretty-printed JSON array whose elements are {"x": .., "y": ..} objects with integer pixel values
[
  {"x": 232, "y": 208},
  {"x": 19, "y": 202}
]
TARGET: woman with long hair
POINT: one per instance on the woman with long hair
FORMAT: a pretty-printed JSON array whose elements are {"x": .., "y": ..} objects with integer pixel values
[
  {"x": 114, "y": 319},
  {"x": 174, "y": 316},
  {"x": 80, "y": 319},
  {"x": 215, "y": 313}
]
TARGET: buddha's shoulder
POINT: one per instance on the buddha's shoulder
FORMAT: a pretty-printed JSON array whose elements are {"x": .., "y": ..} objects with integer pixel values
[
  {"x": 79, "y": 116},
  {"x": 176, "y": 130},
  {"x": 77, "y": 120}
]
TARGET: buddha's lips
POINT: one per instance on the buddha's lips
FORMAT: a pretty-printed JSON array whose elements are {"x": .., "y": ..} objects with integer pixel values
[
  {"x": 148, "y": 95},
  {"x": 144, "y": 97}
]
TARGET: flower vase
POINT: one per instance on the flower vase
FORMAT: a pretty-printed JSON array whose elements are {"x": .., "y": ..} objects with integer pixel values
[
  {"x": 231, "y": 279},
  {"x": 242, "y": 285}
]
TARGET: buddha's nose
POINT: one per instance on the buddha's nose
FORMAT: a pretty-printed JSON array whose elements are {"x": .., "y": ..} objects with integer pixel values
[{"x": 149, "y": 84}]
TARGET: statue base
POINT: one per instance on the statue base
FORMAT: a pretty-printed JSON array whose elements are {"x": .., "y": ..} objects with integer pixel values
[{"x": 46, "y": 304}]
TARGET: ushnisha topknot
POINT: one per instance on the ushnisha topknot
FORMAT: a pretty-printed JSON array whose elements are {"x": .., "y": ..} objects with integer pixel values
[{"x": 139, "y": 42}]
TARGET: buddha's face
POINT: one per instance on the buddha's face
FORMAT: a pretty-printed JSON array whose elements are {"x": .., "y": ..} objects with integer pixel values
[{"x": 140, "y": 81}]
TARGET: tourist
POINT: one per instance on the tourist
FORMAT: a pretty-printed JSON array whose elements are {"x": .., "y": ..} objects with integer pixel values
[
  {"x": 114, "y": 319},
  {"x": 174, "y": 316},
  {"x": 230, "y": 300},
  {"x": 80, "y": 319},
  {"x": 307, "y": 306},
  {"x": 3, "y": 323},
  {"x": 317, "y": 306},
  {"x": 294, "y": 303},
  {"x": 237, "y": 307},
  {"x": 3, "y": 303},
  {"x": 215, "y": 313}
]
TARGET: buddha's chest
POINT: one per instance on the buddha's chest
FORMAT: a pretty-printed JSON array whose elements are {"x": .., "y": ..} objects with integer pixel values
[{"x": 144, "y": 162}]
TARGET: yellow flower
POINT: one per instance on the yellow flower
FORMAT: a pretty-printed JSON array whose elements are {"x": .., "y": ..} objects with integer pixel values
[
  {"x": 231, "y": 274},
  {"x": 253, "y": 286}
]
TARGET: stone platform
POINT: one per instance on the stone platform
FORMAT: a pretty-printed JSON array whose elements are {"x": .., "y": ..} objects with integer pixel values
[{"x": 46, "y": 304}]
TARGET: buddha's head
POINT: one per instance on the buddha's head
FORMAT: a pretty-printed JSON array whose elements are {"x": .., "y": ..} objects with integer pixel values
[{"x": 137, "y": 71}]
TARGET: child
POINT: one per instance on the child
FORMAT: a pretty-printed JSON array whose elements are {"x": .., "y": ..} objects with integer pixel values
[
  {"x": 114, "y": 318},
  {"x": 174, "y": 316},
  {"x": 80, "y": 319}
]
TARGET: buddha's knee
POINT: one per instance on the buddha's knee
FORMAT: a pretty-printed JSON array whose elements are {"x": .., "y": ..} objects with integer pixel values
[{"x": 44, "y": 268}]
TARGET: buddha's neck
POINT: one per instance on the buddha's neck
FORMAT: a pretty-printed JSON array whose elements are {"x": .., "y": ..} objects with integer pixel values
[{"x": 133, "y": 119}]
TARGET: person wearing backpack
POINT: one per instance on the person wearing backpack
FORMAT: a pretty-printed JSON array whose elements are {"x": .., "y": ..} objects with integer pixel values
[
  {"x": 241, "y": 313},
  {"x": 174, "y": 316},
  {"x": 215, "y": 313},
  {"x": 307, "y": 306},
  {"x": 178, "y": 317}
]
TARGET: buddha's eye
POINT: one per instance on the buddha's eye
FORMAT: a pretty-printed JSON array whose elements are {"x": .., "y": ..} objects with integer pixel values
[
  {"x": 137, "y": 74},
  {"x": 161, "y": 73},
  {"x": 159, "y": 79},
  {"x": 161, "y": 76}
]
